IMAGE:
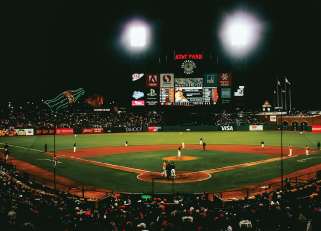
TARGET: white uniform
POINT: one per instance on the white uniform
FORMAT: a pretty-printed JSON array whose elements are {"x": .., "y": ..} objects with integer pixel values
[
  {"x": 183, "y": 144},
  {"x": 126, "y": 143},
  {"x": 74, "y": 147},
  {"x": 201, "y": 141},
  {"x": 179, "y": 152}
]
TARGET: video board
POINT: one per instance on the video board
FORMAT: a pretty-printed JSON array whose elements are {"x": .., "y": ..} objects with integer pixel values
[{"x": 187, "y": 84}]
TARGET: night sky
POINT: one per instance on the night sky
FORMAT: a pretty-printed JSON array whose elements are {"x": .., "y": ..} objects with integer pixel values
[{"x": 54, "y": 46}]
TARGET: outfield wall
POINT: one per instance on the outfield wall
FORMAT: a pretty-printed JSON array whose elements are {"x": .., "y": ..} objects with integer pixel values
[{"x": 188, "y": 128}]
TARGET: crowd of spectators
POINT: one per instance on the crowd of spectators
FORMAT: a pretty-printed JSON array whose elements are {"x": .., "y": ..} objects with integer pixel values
[
  {"x": 28, "y": 206},
  {"x": 43, "y": 119},
  {"x": 237, "y": 119}
]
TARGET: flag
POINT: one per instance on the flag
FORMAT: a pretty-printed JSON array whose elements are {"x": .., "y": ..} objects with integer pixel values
[
  {"x": 287, "y": 81},
  {"x": 279, "y": 83}
]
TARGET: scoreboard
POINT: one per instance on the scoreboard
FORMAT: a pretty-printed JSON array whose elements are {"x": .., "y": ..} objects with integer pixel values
[{"x": 187, "y": 85}]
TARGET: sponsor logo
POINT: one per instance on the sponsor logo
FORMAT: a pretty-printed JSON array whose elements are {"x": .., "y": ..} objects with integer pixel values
[
  {"x": 138, "y": 102},
  {"x": 136, "y": 76},
  {"x": 210, "y": 79},
  {"x": 227, "y": 128},
  {"x": 256, "y": 127},
  {"x": 188, "y": 66},
  {"x": 152, "y": 78},
  {"x": 224, "y": 77},
  {"x": 133, "y": 129},
  {"x": 152, "y": 93},
  {"x": 167, "y": 78},
  {"x": 240, "y": 91},
  {"x": 316, "y": 128},
  {"x": 138, "y": 94}
]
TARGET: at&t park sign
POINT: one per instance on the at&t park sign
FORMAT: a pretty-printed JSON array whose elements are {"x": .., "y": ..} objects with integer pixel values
[{"x": 188, "y": 56}]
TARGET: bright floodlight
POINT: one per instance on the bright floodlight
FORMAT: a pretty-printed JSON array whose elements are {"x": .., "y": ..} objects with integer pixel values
[
  {"x": 238, "y": 35},
  {"x": 240, "y": 32},
  {"x": 138, "y": 37}
]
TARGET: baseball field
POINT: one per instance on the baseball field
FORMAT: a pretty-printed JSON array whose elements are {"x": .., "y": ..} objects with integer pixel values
[{"x": 232, "y": 159}]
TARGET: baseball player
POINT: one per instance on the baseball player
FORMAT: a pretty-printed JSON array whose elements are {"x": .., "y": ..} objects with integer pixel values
[
  {"x": 183, "y": 144},
  {"x": 262, "y": 144},
  {"x": 173, "y": 173},
  {"x": 74, "y": 147},
  {"x": 201, "y": 141},
  {"x": 306, "y": 150},
  {"x": 54, "y": 160},
  {"x": 126, "y": 143},
  {"x": 179, "y": 151},
  {"x": 204, "y": 145},
  {"x": 318, "y": 145},
  {"x": 46, "y": 146},
  {"x": 6, "y": 153},
  {"x": 290, "y": 150},
  {"x": 75, "y": 135},
  {"x": 6, "y": 146},
  {"x": 164, "y": 169}
]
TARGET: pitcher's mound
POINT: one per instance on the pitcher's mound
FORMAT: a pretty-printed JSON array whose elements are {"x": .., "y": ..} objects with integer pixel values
[
  {"x": 181, "y": 158},
  {"x": 181, "y": 177}
]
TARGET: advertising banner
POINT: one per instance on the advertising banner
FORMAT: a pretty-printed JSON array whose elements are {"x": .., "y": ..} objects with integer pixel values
[
  {"x": 188, "y": 82},
  {"x": 44, "y": 131},
  {"x": 133, "y": 129},
  {"x": 11, "y": 132},
  {"x": 20, "y": 132},
  {"x": 64, "y": 131},
  {"x": 273, "y": 118},
  {"x": 226, "y": 93},
  {"x": 152, "y": 96},
  {"x": 316, "y": 128},
  {"x": 138, "y": 102},
  {"x": 166, "y": 80},
  {"x": 256, "y": 127},
  {"x": 154, "y": 129},
  {"x": 152, "y": 80},
  {"x": 224, "y": 79},
  {"x": 2, "y": 132},
  {"x": 92, "y": 130},
  {"x": 210, "y": 80},
  {"x": 226, "y": 128}
]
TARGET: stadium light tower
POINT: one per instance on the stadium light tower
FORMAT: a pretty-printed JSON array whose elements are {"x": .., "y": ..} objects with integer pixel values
[{"x": 239, "y": 35}]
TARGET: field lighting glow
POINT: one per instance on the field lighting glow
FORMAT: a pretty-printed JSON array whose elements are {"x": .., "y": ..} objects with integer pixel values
[
  {"x": 135, "y": 34},
  {"x": 240, "y": 32},
  {"x": 138, "y": 36}
]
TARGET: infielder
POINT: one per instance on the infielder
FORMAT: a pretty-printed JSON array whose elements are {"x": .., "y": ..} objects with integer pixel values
[
  {"x": 201, "y": 140},
  {"x": 126, "y": 143},
  {"x": 306, "y": 150},
  {"x": 262, "y": 144},
  {"x": 290, "y": 150},
  {"x": 179, "y": 151},
  {"x": 183, "y": 144},
  {"x": 74, "y": 147}
]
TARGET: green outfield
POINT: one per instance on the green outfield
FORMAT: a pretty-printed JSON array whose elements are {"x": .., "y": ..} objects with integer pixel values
[{"x": 29, "y": 149}]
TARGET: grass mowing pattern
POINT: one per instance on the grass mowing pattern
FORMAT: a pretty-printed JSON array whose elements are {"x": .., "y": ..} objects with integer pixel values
[{"x": 151, "y": 161}]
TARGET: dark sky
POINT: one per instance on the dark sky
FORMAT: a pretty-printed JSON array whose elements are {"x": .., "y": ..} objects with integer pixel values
[{"x": 53, "y": 46}]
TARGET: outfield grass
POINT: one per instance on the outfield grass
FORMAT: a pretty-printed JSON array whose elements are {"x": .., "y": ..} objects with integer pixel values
[{"x": 29, "y": 149}]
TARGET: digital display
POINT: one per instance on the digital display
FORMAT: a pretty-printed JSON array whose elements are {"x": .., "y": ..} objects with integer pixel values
[
  {"x": 166, "y": 96},
  {"x": 188, "y": 95},
  {"x": 209, "y": 95}
]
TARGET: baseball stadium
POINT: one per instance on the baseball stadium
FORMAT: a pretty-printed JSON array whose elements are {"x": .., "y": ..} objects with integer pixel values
[{"x": 141, "y": 116}]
